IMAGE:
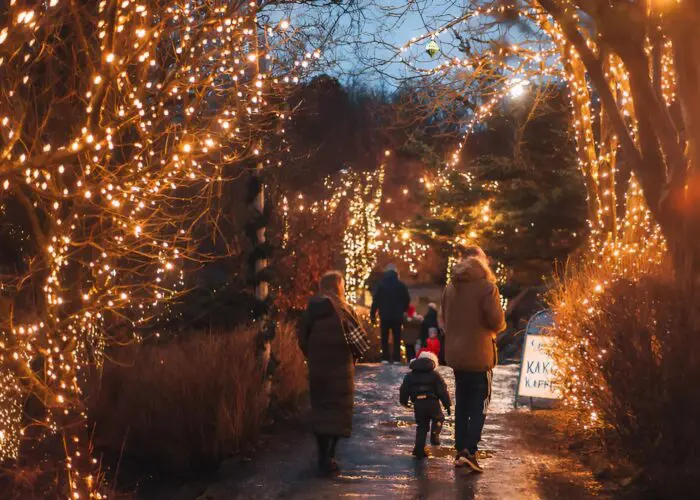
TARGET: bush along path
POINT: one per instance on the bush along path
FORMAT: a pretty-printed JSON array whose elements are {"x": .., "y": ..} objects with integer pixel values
[{"x": 376, "y": 462}]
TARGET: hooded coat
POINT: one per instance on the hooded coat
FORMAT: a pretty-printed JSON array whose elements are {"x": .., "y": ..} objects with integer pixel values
[
  {"x": 472, "y": 316},
  {"x": 391, "y": 298},
  {"x": 331, "y": 367},
  {"x": 424, "y": 380}
]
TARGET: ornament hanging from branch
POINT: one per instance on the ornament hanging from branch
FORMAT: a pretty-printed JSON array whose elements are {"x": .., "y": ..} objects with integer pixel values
[{"x": 432, "y": 48}]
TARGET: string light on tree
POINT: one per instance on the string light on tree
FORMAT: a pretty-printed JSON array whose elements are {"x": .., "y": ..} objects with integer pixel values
[{"x": 112, "y": 176}]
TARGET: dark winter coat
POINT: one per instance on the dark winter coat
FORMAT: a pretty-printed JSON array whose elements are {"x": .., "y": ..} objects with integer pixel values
[
  {"x": 411, "y": 332},
  {"x": 424, "y": 380},
  {"x": 331, "y": 367},
  {"x": 391, "y": 299}
]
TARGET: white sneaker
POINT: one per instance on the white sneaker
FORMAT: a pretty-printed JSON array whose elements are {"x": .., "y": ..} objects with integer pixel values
[{"x": 385, "y": 362}]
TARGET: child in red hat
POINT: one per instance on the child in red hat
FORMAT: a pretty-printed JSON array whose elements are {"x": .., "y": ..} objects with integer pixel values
[{"x": 433, "y": 342}]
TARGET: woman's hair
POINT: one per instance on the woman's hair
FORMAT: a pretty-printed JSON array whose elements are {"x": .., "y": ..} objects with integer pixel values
[
  {"x": 332, "y": 284},
  {"x": 483, "y": 263},
  {"x": 473, "y": 251}
]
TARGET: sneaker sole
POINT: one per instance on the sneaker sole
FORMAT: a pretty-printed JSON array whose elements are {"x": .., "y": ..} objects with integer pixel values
[{"x": 473, "y": 466}]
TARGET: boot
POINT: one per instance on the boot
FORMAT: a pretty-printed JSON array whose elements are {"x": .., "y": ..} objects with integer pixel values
[
  {"x": 419, "y": 453},
  {"x": 324, "y": 458},
  {"x": 419, "y": 449},
  {"x": 334, "y": 467},
  {"x": 435, "y": 433}
]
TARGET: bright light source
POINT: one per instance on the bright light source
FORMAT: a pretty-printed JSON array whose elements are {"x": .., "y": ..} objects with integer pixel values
[{"x": 517, "y": 87}]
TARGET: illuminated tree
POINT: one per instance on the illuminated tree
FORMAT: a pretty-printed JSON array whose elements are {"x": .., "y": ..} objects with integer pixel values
[
  {"x": 629, "y": 67},
  {"x": 119, "y": 123},
  {"x": 518, "y": 191}
]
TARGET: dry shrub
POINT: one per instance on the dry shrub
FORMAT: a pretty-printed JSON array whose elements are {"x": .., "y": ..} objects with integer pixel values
[
  {"x": 188, "y": 404},
  {"x": 290, "y": 378},
  {"x": 629, "y": 360}
]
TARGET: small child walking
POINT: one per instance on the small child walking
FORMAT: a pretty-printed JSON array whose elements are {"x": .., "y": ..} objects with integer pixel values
[
  {"x": 426, "y": 389},
  {"x": 433, "y": 342}
]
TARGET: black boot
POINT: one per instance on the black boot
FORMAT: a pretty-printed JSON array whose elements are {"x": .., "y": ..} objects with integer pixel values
[
  {"x": 419, "y": 449},
  {"x": 435, "y": 433},
  {"x": 323, "y": 453},
  {"x": 334, "y": 467}
]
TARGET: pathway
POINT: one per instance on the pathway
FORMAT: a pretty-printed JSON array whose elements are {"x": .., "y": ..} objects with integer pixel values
[{"x": 377, "y": 462}]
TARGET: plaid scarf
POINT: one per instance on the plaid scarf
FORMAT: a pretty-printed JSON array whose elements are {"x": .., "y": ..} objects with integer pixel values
[
  {"x": 356, "y": 338},
  {"x": 355, "y": 335}
]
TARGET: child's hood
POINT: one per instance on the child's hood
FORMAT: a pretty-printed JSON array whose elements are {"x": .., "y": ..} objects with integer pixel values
[{"x": 426, "y": 362}]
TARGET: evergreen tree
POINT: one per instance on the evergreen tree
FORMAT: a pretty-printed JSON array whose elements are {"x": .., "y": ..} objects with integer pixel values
[{"x": 518, "y": 191}]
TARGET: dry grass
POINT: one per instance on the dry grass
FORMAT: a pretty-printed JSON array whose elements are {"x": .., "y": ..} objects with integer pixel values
[
  {"x": 290, "y": 379},
  {"x": 186, "y": 405}
]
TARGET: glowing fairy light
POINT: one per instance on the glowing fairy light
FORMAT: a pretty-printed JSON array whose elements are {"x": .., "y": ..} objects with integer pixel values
[
  {"x": 114, "y": 186},
  {"x": 627, "y": 244}
]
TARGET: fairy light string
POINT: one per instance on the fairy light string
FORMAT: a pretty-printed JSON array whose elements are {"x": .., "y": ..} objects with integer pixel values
[
  {"x": 621, "y": 244},
  {"x": 170, "y": 103}
]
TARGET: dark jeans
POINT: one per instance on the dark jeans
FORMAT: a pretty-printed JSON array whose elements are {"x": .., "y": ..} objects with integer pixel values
[
  {"x": 326, "y": 448},
  {"x": 410, "y": 351},
  {"x": 473, "y": 395},
  {"x": 395, "y": 328},
  {"x": 429, "y": 416}
]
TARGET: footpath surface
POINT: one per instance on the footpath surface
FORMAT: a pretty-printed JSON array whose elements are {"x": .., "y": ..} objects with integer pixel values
[{"x": 376, "y": 461}]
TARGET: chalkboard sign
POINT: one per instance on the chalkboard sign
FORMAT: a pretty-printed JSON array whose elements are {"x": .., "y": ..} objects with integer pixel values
[{"x": 537, "y": 367}]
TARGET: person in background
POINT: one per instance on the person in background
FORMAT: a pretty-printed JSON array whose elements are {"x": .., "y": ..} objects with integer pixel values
[
  {"x": 323, "y": 338},
  {"x": 471, "y": 316},
  {"x": 433, "y": 343},
  {"x": 426, "y": 389},
  {"x": 391, "y": 301},
  {"x": 411, "y": 332},
  {"x": 430, "y": 320}
]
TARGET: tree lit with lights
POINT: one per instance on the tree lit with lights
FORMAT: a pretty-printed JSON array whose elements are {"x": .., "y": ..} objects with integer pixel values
[
  {"x": 633, "y": 112},
  {"x": 119, "y": 122}
]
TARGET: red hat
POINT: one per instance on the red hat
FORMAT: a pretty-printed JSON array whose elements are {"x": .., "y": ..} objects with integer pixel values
[
  {"x": 433, "y": 345},
  {"x": 411, "y": 311}
]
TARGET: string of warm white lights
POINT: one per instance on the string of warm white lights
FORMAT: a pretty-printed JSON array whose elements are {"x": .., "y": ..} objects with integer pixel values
[
  {"x": 623, "y": 244},
  {"x": 150, "y": 107}
]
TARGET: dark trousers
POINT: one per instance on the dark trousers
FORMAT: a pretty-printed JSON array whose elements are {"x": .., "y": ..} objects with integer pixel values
[
  {"x": 410, "y": 351},
  {"x": 326, "y": 448},
  {"x": 395, "y": 328},
  {"x": 473, "y": 395},
  {"x": 429, "y": 416}
]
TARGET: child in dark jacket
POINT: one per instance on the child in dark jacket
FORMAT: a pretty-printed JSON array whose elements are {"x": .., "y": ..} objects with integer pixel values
[{"x": 426, "y": 389}]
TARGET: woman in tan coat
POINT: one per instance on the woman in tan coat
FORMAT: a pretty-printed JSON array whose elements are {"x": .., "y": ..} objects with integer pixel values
[{"x": 471, "y": 315}]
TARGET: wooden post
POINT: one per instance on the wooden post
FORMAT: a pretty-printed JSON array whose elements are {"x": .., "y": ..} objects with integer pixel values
[{"x": 262, "y": 287}]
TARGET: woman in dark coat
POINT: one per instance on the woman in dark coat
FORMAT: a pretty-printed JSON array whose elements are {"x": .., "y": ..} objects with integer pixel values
[{"x": 331, "y": 366}]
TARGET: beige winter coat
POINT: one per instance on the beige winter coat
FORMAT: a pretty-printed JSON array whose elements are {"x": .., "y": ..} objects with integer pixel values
[{"x": 471, "y": 316}]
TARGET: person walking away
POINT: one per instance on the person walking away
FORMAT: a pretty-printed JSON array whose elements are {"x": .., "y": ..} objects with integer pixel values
[
  {"x": 411, "y": 332},
  {"x": 391, "y": 300},
  {"x": 326, "y": 335},
  {"x": 472, "y": 316},
  {"x": 426, "y": 389}
]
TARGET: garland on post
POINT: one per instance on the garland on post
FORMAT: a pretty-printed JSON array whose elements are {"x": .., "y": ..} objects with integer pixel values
[{"x": 260, "y": 274}]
